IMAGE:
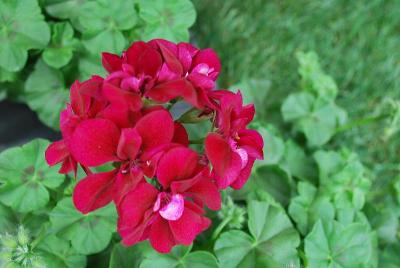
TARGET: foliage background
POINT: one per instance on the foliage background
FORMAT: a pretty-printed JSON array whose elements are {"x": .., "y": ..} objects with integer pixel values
[{"x": 324, "y": 76}]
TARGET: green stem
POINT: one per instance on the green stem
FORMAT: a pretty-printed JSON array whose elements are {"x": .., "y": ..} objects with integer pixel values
[
  {"x": 360, "y": 122},
  {"x": 220, "y": 227}
]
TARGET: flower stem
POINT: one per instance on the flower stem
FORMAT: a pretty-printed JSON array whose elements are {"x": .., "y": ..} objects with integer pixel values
[
  {"x": 220, "y": 227},
  {"x": 360, "y": 122}
]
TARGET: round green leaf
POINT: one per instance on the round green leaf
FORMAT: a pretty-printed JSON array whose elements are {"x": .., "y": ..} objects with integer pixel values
[
  {"x": 180, "y": 257},
  {"x": 102, "y": 22},
  {"x": 335, "y": 245},
  {"x": 46, "y": 93},
  {"x": 62, "y": 45},
  {"x": 298, "y": 163},
  {"x": 126, "y": 257},
  {"x": 7, "y": 219},
  {"x": 272, "y": 243},
  {"x": 89, "y": 233},
  {"x": 56, "y": 252},
  {"x": 25, "y": 177},
  {"x": 167, "y": 19},
  {"x": 22, "y": 27},
  {"x": 307, "y": 207},
  {"x": 296, "y": 106}
]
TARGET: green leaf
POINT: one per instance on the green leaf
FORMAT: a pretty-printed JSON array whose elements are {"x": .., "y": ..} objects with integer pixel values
[
  {"x": 102, "y": 22},
  {"x": 89, "y": 233},
  {"x": 180, "y": 257},
  {"x": 308, "y": 207},
  {"x": 167, "y": 19},
  {"x": 298, "y": 163},
  {"x": 319, "y": 126},
  {"x": 272, "y": 243},
  {"x": 390, "y": 257},
  {"x": 126, "y": 257},
  {"x": 56, "y": 252},
  {"x": 62, "y": 45},
  {"x": 66, "y": 9},
  {"x": 336, "y": 245},
  {"x": 46, "y": 93},
  {"x": 26, "y": 177},
  {"x": 274, "y": 147},
  {"x": 90, "y": 65},
  {"x": 313, "y": 78},
  {"x": 296, "y": 106},
  {"x": 275, "y": 180},
  {"x": 7, "y": 219},
  {"x": 22, "y": 27}
]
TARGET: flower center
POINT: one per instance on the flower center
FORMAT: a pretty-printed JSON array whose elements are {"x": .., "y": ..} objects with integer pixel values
[{"x": 170, "y": 206}]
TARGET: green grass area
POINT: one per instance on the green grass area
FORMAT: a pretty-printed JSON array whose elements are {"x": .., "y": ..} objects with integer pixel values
[{"x": 358, "y": 45}]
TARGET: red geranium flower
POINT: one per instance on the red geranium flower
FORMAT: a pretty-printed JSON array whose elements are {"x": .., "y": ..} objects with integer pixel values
[
  {"x": 233, "y": 149},
  {"x": 172, "y": 214}
]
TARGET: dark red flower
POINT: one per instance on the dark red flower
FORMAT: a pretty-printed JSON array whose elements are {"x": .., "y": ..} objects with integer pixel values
[
  {"x": 233, "y": 149},
  {"x": 174, "y": 214},
  {"x": 137, "y": 150}
]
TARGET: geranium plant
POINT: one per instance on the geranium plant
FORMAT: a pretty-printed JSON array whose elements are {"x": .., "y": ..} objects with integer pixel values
[{"x": 158, "y": 183}]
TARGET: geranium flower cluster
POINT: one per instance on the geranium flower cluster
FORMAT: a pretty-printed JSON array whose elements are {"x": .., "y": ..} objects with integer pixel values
[{"x": 159, "y": 184}]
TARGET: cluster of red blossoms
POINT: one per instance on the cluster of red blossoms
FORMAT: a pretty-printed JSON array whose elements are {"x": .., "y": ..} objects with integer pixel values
[{"x": 159, "y": 185}]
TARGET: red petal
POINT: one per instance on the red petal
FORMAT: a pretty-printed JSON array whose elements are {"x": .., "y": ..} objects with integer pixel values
[
  {"x": 167, "y": 91},
  {"x": 155, "y": 128},
  {"x": 180, "y": 135},
  {"x": 252, "y": 142},
  {"x": 94, "y": 142},
  {"x": 170, "y": 59},
  {"x": 111, "y": 62},
  {"x": 129, "y": 144},
  {"x": 209, "y": 57},
  {"x": 189, "y": 225},
  {"x": 161, "y": 237},
  {"x": 80, "y": 103},
  {"x": 68, "y": 165},
  {"x": 177, "y": 164},
  {"x": 200, "y": 188},
  {"x": 56, "y": 152},
  {"x": 94, "y": 191},
  {"x": 122, "y": 98},
  {"x": 126, "y": 180},
  {"x": 225, "y": 162},
  {"x": 144, "y": 58},
  {"x": 135, "y": 203},
  {"x": 243, "y": 176}
]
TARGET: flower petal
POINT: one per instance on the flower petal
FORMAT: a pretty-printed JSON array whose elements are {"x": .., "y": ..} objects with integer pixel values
[
  {"x": 180, "y": 135},
  {"x": 169, "y": 90},
  {"x": 200, "y": 188},
  {"x": 129, "y": 144},
  {"x": 243, "y": 176},
  {"x": 143, "y": 58},
  {"x": 209, "y": 57},
  {"x": 161, "y": 237},
  {"x": 225, "y": 162},
  {"x": 188, "y": 226},
  {"x": 94, "y": 191},
  {"x": 126, "y": 180},
  {"x": 111, "y": 62},
  {"x": 94, "y": 142},
  {"x": 155, "y": 128},
  {"x": 56, "y": 152},
  {"x": 177, "y": 164}
]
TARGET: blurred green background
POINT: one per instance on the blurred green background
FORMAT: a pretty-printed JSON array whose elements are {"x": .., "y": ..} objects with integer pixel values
[{"x": 357, "y": 43}]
